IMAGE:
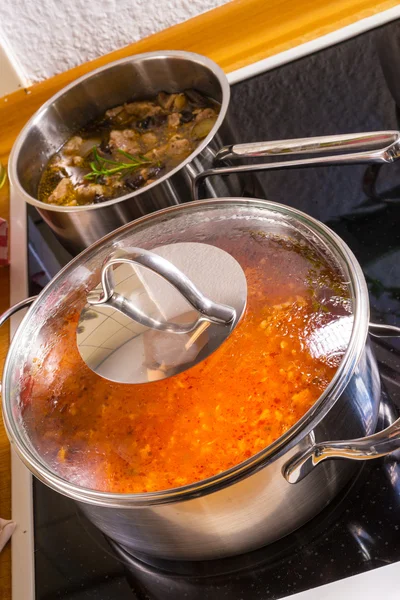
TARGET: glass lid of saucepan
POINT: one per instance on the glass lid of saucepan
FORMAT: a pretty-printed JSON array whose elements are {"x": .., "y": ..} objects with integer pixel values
[{"x": 180, "y": 346}]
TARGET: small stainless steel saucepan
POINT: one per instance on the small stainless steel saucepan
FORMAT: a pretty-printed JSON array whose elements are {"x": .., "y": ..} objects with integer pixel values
[{"x": 132, "y": 78}]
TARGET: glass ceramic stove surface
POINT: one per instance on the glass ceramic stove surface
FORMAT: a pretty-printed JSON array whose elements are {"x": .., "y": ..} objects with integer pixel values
[{"x": 351, "y": 87}]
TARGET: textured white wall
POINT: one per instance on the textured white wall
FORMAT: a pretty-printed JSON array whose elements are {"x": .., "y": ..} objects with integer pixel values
[{"x": 50, "y": 36}]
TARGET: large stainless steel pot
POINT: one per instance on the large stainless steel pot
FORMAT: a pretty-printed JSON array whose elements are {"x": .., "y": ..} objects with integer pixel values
[
  {"x": 135, "y": 77},
  {"x": 270, "y": 494}
]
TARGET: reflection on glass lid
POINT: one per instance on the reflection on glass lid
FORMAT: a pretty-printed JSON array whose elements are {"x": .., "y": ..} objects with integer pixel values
[{"x": 158, "y": 313}]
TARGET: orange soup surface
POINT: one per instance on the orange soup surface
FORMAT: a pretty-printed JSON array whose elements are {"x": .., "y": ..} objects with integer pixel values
[{"x": 156, "y": 436}]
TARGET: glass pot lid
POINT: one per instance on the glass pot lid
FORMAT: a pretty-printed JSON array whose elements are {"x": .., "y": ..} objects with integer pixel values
[{"x": 287, "y": 288}]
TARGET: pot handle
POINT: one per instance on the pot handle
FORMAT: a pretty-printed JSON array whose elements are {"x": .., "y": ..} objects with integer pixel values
[
  {"x": 371, "y": 141},
  {"x": 14, "y": 309},
  {"x": 372, "y": 147},
  {"x": 209, "y": 310},
  {"x": 371, "y": 446}
]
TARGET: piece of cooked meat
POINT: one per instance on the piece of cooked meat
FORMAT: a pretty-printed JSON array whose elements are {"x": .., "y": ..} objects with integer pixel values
[
  {"x": 125, "y": 139},
  {"x": 178, "y": 146},
  {"x": 158, "y": 153},
  {"x": 69, "y": 161},
  {"x": 73, "y": 145},
  {"x": 63, "y": 193},
  {"x": 142, "y": 109},
  {"x": 174, "y": 120},
  {"x": 149, "y": 140},
  {"x": 113, "y": 112},
  {"x": 87, "y": 193},
  {"x": 114, "y": 180},
  {"x": 76, "y": 161},
  {"x": 206, "y": 113}
]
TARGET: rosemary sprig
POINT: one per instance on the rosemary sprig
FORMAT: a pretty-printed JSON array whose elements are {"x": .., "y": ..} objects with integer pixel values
[{"x": 102, "y": 166}]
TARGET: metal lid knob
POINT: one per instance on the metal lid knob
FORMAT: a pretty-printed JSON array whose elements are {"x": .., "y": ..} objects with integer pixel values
[{"x": 155, "y": 314}]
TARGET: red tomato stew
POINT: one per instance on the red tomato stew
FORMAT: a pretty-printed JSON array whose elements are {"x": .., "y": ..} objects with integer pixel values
[{"x": 156, "y": 436}]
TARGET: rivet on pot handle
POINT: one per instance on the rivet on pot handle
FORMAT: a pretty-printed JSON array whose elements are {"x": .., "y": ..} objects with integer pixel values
[
  {"x": 371, "y": 446},
  {"x": 14, "y": 309}
]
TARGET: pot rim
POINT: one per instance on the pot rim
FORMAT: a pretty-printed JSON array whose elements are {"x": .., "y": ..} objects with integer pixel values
[
  {"x": 190, "y": 56},
  {"x": 244, "y": 469}
]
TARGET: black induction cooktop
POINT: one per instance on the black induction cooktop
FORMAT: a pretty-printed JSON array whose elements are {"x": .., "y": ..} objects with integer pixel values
[{"x": 351, "y": 87}]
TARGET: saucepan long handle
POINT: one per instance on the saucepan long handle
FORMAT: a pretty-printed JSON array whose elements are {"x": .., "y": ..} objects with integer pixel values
[
  {"x": 356, "y": 148},
  {"x": 371, "y": 446},
  {"x": 360, "y": 142}
]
